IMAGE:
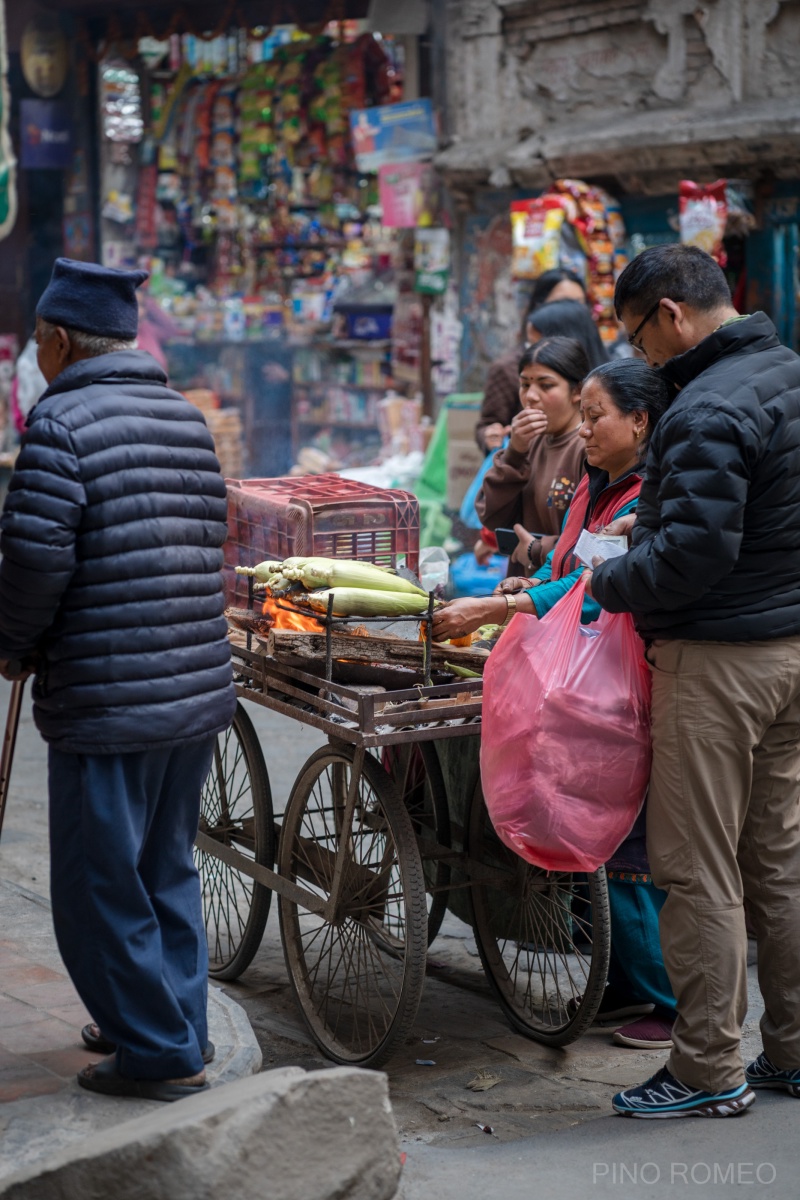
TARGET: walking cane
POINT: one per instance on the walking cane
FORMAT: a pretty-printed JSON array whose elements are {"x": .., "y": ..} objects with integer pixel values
[{"x": 9, "y": 742}]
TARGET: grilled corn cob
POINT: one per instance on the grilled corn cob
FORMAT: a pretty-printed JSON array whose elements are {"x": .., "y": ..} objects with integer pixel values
[
  {"x": 343, "y": 573},
  {"x": 262, "y": 572},
  {"x": 329, "y": 572},
  {"x": 365, "y": 602}
]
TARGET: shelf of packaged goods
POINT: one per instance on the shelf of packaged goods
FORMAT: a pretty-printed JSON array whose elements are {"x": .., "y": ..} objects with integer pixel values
[
  {"x": 191, "y": 340},
  {"x": 346, "y": 344},
  {"x": 290, "y": 343},
  {"x": 325, "y": 385},
  {"x": 311, "y": 422},
  {"x": 303, "y": 247}
]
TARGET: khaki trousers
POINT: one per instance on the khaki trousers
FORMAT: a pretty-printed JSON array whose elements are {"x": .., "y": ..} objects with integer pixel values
[{"x": 723, "y": 822}]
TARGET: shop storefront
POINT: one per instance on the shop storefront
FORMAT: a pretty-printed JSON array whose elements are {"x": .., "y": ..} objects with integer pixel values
[
  {"x": 271, "y": 178},
  {"x": 239, "y": 164}
]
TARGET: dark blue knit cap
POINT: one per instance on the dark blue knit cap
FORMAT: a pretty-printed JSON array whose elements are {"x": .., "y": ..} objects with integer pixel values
[{"x": 93, "y": 299}]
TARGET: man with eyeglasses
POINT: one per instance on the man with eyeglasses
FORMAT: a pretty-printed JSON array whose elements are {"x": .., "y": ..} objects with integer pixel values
[{"x": 713, "y": 581}]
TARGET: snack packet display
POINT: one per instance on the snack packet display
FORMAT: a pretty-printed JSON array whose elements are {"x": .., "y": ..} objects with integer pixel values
[
  {"x": 573, "y": 225},
  {"x": 703, "y": 213}
]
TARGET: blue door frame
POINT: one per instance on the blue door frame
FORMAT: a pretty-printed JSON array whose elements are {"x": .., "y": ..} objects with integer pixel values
[
  {"x": 773, "y": 262},
  {"x": 772, "y": 277}
]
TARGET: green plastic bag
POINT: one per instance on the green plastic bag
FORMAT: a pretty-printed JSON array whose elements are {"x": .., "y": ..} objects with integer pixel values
[{"x": 432, "y": 482}]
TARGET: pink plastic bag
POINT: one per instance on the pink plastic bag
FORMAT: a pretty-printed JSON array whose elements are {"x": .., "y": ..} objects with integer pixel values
[{"x": 565, "y": 738}]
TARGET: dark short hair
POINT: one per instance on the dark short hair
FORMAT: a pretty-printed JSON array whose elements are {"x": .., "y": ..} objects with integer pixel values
[
  {"x": 549, "y": 280},
  {"x": 671, "y": 272},
  {"x": 563, "y": 355},
  {"x": 571, "y": 319},
  {"x": 634, "y": 387}
]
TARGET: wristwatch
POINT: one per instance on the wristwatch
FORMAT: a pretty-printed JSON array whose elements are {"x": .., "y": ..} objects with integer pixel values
[{"x": 511, "y": 601}]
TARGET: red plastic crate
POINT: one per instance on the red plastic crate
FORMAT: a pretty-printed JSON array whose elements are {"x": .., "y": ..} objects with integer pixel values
[{"x": 322, "y": 515}]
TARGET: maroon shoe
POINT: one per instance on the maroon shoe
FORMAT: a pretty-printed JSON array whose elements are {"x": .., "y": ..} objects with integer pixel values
[{"x": 649, "y": 1033}]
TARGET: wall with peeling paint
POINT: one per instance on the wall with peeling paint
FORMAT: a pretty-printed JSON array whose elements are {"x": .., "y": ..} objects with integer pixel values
[
  {"x": 544, "y": 78},
  {"x": 635, "y": 94}
]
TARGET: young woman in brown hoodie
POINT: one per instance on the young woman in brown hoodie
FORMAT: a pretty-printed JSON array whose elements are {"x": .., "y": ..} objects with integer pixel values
[
  {"x": 531, "y": 482},
  {"x": 500, "y": 398}
]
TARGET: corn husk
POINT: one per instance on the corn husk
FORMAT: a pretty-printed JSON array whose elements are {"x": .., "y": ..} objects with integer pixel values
[
  {"x": 462, "y": 672},
  {"x": 320, "y": 563},
  {"x": 367, "y": 602}
]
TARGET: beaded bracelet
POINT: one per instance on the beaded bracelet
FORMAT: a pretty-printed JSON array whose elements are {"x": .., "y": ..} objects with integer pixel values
[{"x": 537, "y": 537}]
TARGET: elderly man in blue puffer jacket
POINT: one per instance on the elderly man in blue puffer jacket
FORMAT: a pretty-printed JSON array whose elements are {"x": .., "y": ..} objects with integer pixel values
[{"x": 110, "y": 590}]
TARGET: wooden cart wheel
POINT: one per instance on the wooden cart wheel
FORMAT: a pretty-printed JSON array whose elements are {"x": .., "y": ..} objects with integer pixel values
[
  {"x": 236, "y": 811},
  {"x": 358, "y": 976},
  {"x": 544, "y": 937},
  {"x": 415, "y": 769}
]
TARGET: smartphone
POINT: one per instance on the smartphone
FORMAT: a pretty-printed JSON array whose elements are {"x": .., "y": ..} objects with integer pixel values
[{"x": 507, "y": 540}]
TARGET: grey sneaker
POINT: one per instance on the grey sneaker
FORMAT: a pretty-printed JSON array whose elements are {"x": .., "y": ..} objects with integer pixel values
[{"x": 762, "y": 1073}]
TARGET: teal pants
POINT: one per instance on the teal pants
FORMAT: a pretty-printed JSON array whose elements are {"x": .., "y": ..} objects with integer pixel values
[{"x": 637, "y": 964}]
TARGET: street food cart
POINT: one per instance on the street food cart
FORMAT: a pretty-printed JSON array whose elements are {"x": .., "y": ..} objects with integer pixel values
[{"x": 384, "y": 829}]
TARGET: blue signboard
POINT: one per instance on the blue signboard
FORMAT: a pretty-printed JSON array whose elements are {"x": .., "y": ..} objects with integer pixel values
[
  {"x": 45, "y": 134},
  {"x": 393, "y": 133}
]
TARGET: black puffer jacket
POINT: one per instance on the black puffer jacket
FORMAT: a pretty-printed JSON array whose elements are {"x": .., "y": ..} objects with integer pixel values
[
  {"x": 111, "y": 541},
  {"x": 716, "y": 545}
]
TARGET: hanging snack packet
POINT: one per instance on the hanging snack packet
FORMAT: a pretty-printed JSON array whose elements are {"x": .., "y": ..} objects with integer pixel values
[
  {"x": 703, "y": 213},
  {"x": 535, "y": 236}
]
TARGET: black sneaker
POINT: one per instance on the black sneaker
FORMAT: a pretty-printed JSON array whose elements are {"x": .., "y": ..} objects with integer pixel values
[
  {"x": 764, "y": 1074},
  {"x": 665, "y": 1096}
]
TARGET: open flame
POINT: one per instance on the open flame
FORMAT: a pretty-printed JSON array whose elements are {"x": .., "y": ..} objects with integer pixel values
[{"x": 281, "y": 618}]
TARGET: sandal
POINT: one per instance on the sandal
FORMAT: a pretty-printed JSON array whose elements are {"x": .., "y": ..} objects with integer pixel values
[
  {"x": 104, "y": 1078},
  {"x": 94, "y": 1040}
]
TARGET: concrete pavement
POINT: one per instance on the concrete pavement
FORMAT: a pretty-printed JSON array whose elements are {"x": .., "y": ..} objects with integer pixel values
[{"x": 752, "y": 1155}]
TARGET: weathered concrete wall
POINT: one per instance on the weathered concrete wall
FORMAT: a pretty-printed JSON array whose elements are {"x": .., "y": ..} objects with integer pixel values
[{"x": 537, "y": 87}]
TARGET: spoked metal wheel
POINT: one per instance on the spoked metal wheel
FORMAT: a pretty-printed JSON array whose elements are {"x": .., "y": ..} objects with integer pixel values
[
  {"x": 357, "y": 963},
  {"x": 544, "y": 937},
  {"x": 235, "y": 821},
  {"x": 416, "y": 771}
]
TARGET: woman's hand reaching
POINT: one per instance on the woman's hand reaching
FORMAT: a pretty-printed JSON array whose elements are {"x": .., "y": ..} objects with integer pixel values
[
  {"x": 517, "y": 583},
  {"x": 465, "y": 615}
]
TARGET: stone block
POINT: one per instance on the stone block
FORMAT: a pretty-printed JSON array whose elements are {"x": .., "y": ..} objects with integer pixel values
[{"x": 286, "y": 1134}]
